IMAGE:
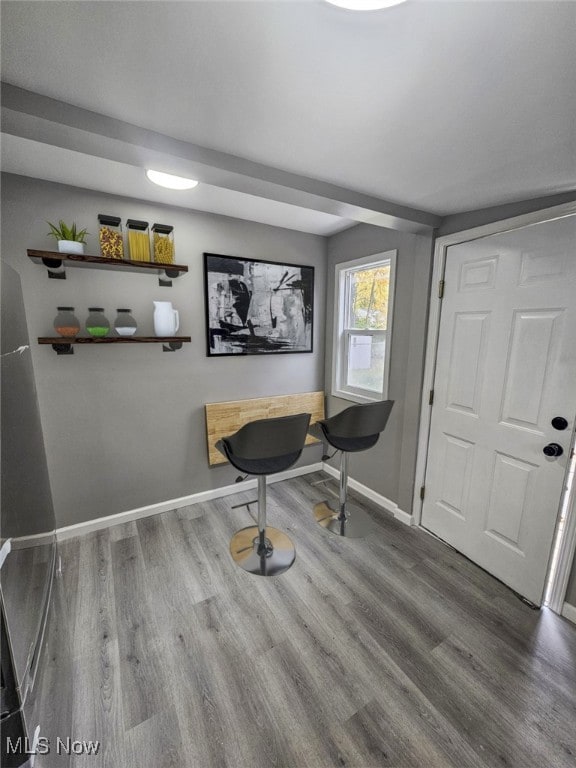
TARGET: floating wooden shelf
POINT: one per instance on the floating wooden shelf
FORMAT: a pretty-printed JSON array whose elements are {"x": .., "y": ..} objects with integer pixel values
[
  {"x": 54, "y": 260},
  {"x": 63, "y": 346}
]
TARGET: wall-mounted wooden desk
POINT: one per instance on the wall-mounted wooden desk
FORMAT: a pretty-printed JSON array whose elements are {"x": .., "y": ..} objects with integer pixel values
[{"x": 224, "y": 419}]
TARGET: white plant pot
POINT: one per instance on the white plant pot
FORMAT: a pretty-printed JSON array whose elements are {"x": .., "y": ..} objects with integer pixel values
[{"x": 71, "y": 246}]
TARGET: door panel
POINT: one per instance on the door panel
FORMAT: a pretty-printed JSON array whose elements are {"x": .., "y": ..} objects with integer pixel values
[
  {"x": 531, "y": 364},
  {"x": 542, "y": 266},
  {"x": 469, "y": 349},
  {"x": 510, "y": 485},
  {"x": 506, "y": 366},
  {"x": 457, "y": 464},
  {"x": 478, "y": 274}
]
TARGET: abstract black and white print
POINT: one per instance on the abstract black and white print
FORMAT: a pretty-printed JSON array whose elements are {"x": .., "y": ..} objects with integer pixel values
[{"x": 257, "y": 307}]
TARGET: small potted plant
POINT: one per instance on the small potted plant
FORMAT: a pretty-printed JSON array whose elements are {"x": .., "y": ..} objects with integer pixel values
[{"x": 70, "y": 240}]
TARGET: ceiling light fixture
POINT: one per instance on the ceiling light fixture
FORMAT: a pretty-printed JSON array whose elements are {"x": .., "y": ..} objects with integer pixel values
[
  {"x": 365, "y": 5},
  {"x": 169, "y": 181}
]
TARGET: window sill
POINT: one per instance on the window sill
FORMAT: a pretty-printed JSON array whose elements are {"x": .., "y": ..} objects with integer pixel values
[{"x": 357, "y": 398}]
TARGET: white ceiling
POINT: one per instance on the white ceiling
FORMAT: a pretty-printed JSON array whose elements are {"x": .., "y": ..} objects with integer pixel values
[
  {"x": 440, "y": 106},
  {"x": 43, "y": 161}
]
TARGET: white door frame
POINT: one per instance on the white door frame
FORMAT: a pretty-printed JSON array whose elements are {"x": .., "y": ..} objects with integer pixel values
[
  {"x": 440, "y": 249},
  {"x": 566, "y": 552}
]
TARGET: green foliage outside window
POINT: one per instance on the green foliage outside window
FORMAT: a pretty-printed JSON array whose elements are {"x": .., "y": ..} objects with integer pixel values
[{"x": 369, "y": 298}]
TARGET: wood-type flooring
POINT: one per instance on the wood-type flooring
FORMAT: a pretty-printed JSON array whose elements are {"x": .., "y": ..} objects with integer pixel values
[{"x": 389, "y": 651}]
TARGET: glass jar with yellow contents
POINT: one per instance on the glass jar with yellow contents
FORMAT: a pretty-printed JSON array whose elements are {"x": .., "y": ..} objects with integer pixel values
[
  {"x": 163, "y": 243},
  {"x": 138, "y": 240}
]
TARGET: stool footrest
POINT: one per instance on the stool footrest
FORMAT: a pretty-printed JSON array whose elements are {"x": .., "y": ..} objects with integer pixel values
[{"x": 244, "y": 504}]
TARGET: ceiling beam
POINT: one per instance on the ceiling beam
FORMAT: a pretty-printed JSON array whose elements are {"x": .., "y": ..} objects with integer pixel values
[{"x": 40, "y": 118}]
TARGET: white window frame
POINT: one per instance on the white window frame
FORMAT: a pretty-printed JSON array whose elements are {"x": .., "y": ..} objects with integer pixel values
[{"x": 341, "y": 333}]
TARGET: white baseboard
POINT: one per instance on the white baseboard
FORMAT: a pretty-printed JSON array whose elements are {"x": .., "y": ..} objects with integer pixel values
[
  {"x": 34, "y": 540},
  {"x": 403, "y": 517},
  {"x": 80, "y": 529},
  {"x": 569, "y": 612},
  {"x": 377, "y": 498}
]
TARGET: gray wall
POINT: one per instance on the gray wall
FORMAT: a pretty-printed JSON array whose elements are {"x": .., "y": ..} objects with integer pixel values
[
  {"x": 124, "y": 425},
  {"x": 389, "y": 467}
]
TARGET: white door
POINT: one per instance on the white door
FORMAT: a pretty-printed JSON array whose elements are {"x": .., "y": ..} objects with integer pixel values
[{"x": 506, "y": 367}]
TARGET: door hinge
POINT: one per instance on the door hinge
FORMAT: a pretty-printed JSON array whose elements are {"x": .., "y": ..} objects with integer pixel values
[
  {"x": 431, "y": 398},
  {"x": 422, "y": 491},
  {"x": 441, "y": 285}
]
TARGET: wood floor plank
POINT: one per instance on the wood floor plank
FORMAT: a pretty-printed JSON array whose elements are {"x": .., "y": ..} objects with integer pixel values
[
  {"x": 384, "y": 735},
  {"x": 315, "y": 647},
  {"x": 94, "y": 612},
  {"x": 97, "y": 707},
  {"x": 97, "y": 692},
  {"x": 316, "y": 552},
  {"x": 143, "y": 691},
  {"x": 299, "y": 724},
  {"x": 236, "y": 684},
  {"x": 155, "y": 742},
  {"x": 123, "y": 531},
  {"x": 450, "y": 691},
  {"x": 182, "y": 662},
  {"x": 538, "y": 673},
  {"x": 542, "y": 635},
  {"x": 509, "y": 693},
  {"x": 495, "y": 612}
]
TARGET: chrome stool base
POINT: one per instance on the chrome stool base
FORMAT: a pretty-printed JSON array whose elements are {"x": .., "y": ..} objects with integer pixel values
[
  {"x": 355, "y": 526},
  {"x": 280, "y": 551}
]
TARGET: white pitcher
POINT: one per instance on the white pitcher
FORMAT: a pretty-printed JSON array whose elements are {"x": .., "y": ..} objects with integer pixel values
[{"x": 166, "y": 318}]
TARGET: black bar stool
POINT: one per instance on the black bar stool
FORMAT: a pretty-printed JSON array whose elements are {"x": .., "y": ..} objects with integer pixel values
[
  {"x": 261, "y": 448},
  {"x": 355, "y": 429}
]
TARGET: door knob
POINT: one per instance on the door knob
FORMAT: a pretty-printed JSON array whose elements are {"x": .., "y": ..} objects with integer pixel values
[
  {"x": 559, "y": 422},
  {"x": 553, "y": 449}
]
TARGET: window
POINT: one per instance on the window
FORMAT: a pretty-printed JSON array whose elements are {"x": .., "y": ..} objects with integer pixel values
[{"x": 363, "y": 323}]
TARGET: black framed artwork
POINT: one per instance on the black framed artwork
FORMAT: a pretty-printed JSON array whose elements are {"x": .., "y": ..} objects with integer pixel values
[{"x": 257, "y": 307}]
